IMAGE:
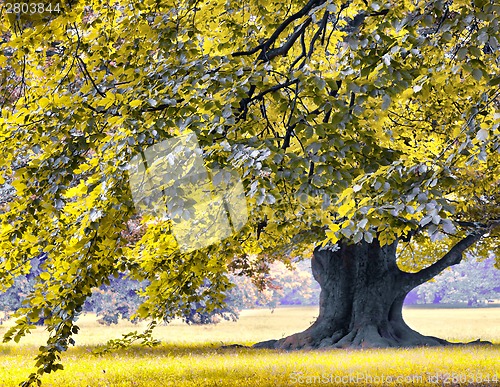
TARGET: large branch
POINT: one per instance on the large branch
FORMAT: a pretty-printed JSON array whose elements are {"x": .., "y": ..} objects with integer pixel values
[
  {"x": 453, "y": 257},
  {"x": 267, "y": 56},
  {"x": 264, "y": 47}
]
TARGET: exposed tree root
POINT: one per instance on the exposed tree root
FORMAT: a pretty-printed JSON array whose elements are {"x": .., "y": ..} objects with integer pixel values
[{"x": 369, "y": 336}]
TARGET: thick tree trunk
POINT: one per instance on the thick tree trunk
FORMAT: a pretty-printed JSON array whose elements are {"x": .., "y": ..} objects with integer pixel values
[{"x": 362, "y": 294}]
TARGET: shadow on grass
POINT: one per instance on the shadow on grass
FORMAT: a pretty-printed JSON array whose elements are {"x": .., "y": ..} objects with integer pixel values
[
  {"x": 211, "y": 349},
  {"x": 170, "y": 349}
]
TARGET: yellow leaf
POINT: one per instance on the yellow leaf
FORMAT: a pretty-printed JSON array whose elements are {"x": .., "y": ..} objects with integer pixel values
[
  {"x": 331, "y": 235},
  {"x": 345, "y": 193},
  {"x": 43, "y": 102},
  {"x": 334, "y": 227},
  {"x": 30, "y": 238},
  {"x": 345, "y": 208}
]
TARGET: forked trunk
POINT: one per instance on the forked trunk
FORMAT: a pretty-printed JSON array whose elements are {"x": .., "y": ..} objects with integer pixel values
[{"x": 362, "y": 294}]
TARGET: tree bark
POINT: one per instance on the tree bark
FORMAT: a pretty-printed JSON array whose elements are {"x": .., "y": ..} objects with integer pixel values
[{"x": 361, "y": 301}]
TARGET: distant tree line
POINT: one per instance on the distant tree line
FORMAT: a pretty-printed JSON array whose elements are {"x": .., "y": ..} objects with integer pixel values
[
  {"x": 472, "y": 283},
  {"x": 120, "y": 298}
]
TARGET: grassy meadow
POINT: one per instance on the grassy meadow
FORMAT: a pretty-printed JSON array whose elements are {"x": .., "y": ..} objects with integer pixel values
[{"x": 191, "y": 355}]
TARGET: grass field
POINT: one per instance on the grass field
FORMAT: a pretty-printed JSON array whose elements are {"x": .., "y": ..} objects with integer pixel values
[{"x": 191, "y": 355}]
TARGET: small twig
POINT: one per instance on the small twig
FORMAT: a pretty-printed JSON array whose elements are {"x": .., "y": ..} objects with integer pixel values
[{"x": 83, "y": 66}]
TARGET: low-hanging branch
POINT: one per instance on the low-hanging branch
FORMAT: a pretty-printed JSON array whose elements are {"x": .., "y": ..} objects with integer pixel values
[{"x": 452, "y": 257}]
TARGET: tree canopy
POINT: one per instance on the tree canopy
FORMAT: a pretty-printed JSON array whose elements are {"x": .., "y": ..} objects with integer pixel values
[{"x": 346, "y": 120}]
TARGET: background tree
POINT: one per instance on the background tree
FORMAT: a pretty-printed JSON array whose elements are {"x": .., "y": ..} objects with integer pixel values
[
  {"x": 285, "y": 285},
  {"x": 357, "y": 126},
  {"x": 474, "y": 283},
  {"x": 118, "y": 299}
]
